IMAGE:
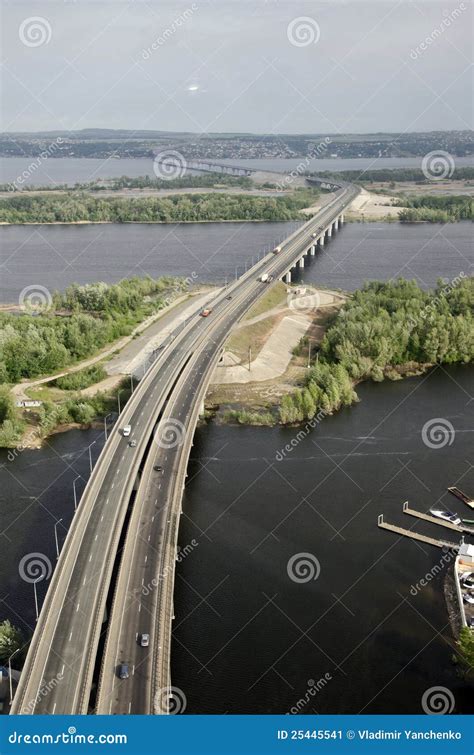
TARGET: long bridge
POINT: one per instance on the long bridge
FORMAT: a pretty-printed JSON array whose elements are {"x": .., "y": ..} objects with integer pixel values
[{"x": 114, "y": 579}]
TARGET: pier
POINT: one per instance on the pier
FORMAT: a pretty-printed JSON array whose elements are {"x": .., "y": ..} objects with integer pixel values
[
  {"x": 462, "y": 496},
  {"x": 416, "y": 535},
  {"x": 435, "y": 520}
]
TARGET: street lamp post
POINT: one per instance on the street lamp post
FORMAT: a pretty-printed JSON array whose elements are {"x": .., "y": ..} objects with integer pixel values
[
  {"x": 74, "y": 489},
  {"x": 56, "y": 536},
  {"x": 10, "y": 673},
  {"x": 105, "y": 423},
  {"x": 36, "y": 595},
  {"x": 90, "y": 456}
]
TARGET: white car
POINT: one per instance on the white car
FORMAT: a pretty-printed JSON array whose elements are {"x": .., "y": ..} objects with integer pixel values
[{"x": 468, "y": 597}]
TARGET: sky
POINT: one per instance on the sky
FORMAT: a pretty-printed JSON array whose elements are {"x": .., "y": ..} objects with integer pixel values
[{"x": 262, "y": 66}]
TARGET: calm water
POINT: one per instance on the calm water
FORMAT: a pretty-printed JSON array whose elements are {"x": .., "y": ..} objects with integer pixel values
[
  {"x": 55, "y": 256},
  {"x": 248, "y": 638},
  {"x": 81, "y": 170}
]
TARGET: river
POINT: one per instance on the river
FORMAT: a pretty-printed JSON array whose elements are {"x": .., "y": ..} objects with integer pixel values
[
  {"x": 55, "y": 256},
  {"x": 248, "y": 639},
  {"x": 71, "y": 170}
]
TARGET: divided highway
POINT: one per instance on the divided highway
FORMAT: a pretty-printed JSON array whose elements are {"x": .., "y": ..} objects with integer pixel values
[
  {"x": 144, "y": 594},
  {"x": 63, "y": 651}
]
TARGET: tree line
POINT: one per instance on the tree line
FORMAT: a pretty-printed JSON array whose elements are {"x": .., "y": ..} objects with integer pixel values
[
  {"x": 75, "y": 207},
  {"x": 385, "y": 326},
  {"x": 436, "y": 209}
]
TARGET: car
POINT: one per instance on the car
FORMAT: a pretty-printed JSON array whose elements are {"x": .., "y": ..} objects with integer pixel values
[
  {"x": 132, "y": 443},
  {"x": 229, "y": 297},
  {"x": 446, "y": 515},
  {"x": 157, "y": 468},
  {"x": 468, "y": 597},
  {"x": 144, "y": 640},
  {"x": 126, "y": 430},
  {"x": 467, "y": 580},
  {"x": 123, "y": 672},
  {"x": 470, "y": 622}
]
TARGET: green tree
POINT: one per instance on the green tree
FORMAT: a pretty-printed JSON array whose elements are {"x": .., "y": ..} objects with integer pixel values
[{"x": 11, "y": 639}]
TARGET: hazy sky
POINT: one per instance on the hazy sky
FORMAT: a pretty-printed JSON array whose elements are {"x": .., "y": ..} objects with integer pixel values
[{"x": 274, "y": 66}]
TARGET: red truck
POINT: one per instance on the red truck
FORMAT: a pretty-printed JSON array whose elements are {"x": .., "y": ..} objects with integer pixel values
[{"x": 206, "y": 312}]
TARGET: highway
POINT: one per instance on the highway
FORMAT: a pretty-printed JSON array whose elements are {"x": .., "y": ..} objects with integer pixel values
[
  {"x": 63, "y": 652},
  {"x": 144, "y": 591}
]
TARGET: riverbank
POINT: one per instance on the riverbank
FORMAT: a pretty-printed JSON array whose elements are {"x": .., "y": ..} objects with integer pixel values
[
  {"x": 385, "y": 331},
  {"x": 44, "y": 406}
]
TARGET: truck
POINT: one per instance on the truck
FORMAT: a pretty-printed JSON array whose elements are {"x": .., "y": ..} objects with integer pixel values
[
  {"x": 277, "y": 250},
  {"x": 206, "y": 312},
  {"x": 126, "y": 430}
]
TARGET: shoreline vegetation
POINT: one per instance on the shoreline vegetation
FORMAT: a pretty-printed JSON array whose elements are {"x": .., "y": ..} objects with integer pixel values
[
  {"x": 73, "y": 207},
  {"x": 384, "y": 331},
  {"x": 67, "y": 329}
]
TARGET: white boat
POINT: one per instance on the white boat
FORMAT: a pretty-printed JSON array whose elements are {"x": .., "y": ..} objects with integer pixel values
[{"x": 447, "y": 515}]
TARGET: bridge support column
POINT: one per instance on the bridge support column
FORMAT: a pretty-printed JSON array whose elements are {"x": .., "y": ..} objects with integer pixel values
[
  {"x": 341, "y": 219},
  {"x": 201, "y": 408},
  {"x": 336, "y": 224},
  {"x": 288, "y": 277},
  {"x": 312, "y": 251},
  {"x": 321, "y": 240},
  {"x": 301, "y": 262},
  {"x": 329, "y": 231}
]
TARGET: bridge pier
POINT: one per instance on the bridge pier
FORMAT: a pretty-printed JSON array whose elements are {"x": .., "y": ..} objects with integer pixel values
[
  {"x": 336, "y": 224},
  {"x": 341, "y": 218},
  {"x": 301, "y": 262},
  {"x": 329, "y": 231},
  {"x": 321, "y": 240},
  {"x": 312, "y": 250},
  {"x": 288, "y": 277}
]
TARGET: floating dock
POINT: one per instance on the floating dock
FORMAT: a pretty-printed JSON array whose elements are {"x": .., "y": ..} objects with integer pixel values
[
  {"x": 435, "y": 520},
  {"x": 462, "y": 496},
  {"x": 416, "y": 535}
]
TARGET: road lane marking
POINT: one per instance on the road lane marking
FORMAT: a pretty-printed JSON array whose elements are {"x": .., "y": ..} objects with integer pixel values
[
  {"x": 129, "y": 707},
  {"x": 62, "y": 670},
  {"x": 54, "y": 707},
  {"x": 70, "y": 637},
  {"x": 77, "y": 607}
]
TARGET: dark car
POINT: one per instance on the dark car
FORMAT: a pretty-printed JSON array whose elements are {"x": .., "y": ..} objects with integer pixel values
[
  {"x": 123, "y": 671},
  {"x": 228, "y": 297},
  {"x": 157, "y": 468}
]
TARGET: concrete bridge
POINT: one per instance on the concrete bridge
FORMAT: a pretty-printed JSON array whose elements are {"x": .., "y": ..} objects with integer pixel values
[{"x": 114, "y": 578}]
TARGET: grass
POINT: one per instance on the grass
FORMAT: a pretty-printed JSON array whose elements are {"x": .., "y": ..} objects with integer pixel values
[
  {"x": 253, "y": 336},
  {"x": 274, "y": 297}
]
